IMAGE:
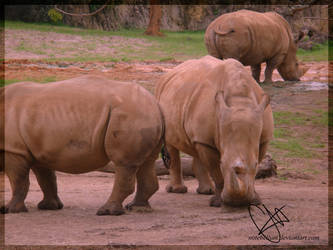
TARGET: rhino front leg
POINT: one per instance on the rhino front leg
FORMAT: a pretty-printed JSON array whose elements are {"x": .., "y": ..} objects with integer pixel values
[
  {"x": 123, "y": 186},
  {"x": 256, "y": 69},
  {"x": 17, "y": 170},
  {"x": 176, "y": 184},
  {"x": 201, "y": 173},
  {"x": 210, "y": 159},
  {"x": 272, "y": 64},
  {"x": 147, "y": 185},
  {"x": 47, "y": 181}
]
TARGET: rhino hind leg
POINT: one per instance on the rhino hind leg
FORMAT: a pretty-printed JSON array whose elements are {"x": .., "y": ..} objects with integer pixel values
[
  {"x": 47, "y": 181},
  {"x": 17, "y": 170},
  {"x": 256, "y": 69},
  {"x": 176, "y": 184},
  {"x": 123, "y": 186},
  {"x": 201, "y": 173},
  {"x": 147, "y": 185},
  {"x": 210, "y": 159}
]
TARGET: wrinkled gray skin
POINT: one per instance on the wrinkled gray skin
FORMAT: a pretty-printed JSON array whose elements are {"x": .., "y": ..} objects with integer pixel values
[
  {"x": 217, "y": 113},
  {"x": 76, "y": 126},
  {"x": 253, "y": 38}
]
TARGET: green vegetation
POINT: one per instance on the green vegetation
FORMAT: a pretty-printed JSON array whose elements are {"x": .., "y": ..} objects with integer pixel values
[
  {"x": 319, "y": 52},
  {"x": 297, "y": 118},
  {"x": 174, "y": 45},
  {"x": 292, "y": 148},
  {"x": 297, "y": 137},
  {"x": 4, "y": 82}
]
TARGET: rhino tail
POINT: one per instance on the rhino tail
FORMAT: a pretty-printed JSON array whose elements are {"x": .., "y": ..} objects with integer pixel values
[{"x": 164, "y": 151}]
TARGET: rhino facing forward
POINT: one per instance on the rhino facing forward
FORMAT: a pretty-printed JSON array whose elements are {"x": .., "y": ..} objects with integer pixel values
[
  {"x": 76, "y": 126},
  {"x": 216, "y": 112},
  {"x": 253, "y": 38}
]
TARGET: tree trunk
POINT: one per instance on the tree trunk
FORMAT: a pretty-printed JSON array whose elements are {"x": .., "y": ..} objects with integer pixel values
[
  {"x": 267, "y": 167},
  {"x": 155, "y": 15}
]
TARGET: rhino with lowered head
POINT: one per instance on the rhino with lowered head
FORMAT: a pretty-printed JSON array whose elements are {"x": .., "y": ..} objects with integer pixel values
[
  {"x": 216, "y": 112},
  {"x": 253, "y": 38},
  {"x": 76, "y": 126}
]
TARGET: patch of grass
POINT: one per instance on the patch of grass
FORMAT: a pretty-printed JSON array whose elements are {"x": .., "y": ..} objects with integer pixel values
[
  {"x": 321, "y": 118},
  {"x": 281, "y": 133},
  {"x": 292, "y": 148},
  {"x": 164, "y": 59},
  {"x": 178, "y": 45},
  {"x": 317, "y": 145},
  {"x": 46, "y": 79},
  {"x": 25, "y": 47},
  {"x": 22, "y": 47},
  {"x": 4, "y": 82},
  {"x": 297, "y": 118},
  {"x": 312, "y": 171},
  {"x": 289, "y": 118},
  {"x": 319, "y": 52}
]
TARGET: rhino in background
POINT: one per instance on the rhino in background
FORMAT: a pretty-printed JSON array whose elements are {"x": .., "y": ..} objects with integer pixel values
[
  {"x": 76, "y": 126},
  {"x": 217, "y": 113},
  {"x": 253, "y": 38}
]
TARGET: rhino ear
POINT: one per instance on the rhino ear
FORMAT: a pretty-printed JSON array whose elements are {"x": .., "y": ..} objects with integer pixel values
[{"x": 264, "y": 103}]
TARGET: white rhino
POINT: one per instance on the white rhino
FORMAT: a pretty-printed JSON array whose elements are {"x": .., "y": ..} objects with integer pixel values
[
  {"x": 253, "y": 38},
  {"x": 216, "y": 112},
  {"x": 76, "y": 126}
]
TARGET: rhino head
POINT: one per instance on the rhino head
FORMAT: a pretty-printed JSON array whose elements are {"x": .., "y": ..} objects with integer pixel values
[
  {"x": 239, "y": 131},
  {"x": 290, "y": 69}
]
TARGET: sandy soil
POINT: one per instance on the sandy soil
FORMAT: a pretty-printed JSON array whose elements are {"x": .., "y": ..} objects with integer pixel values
[{"x": 177, "y": 219}]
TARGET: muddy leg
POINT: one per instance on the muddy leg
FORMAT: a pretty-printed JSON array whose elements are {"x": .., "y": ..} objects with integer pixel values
[
  {"x": 176, "y": 184},
  {"x": 47, "y": 181},
  {"x": 123, "y": 186},
  {"x": 256, "y": 72},
  {"x": 17, "y": 170},
  {"x": 210, "y": 159},
  {"x": 147, "y": 185},
  {"x": 268, "y": 73},
  {"x": 201, "y": 173}
]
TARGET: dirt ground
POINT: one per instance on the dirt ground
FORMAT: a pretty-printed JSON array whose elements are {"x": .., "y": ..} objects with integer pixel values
[{"x": 176, "y": 219}]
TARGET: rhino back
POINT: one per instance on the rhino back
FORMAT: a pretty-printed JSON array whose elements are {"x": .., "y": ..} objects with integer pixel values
[
  {"x": 64, "y": 124},
  {"x": 249, "y": 36},
  {"x": 178, "y": 90}
]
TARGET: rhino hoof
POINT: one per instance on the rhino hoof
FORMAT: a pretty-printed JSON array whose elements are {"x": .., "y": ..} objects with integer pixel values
[
  {"x": 111, "y": 210},
  {"x": 140, "y": 208},
  {"x": 176, "y": 189},
  {"x": 215, "y": 201},
  {"x": 13, "y": 209},
  {"x": 205, "y": 190},
  {"x": 50, "y": 204}
]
